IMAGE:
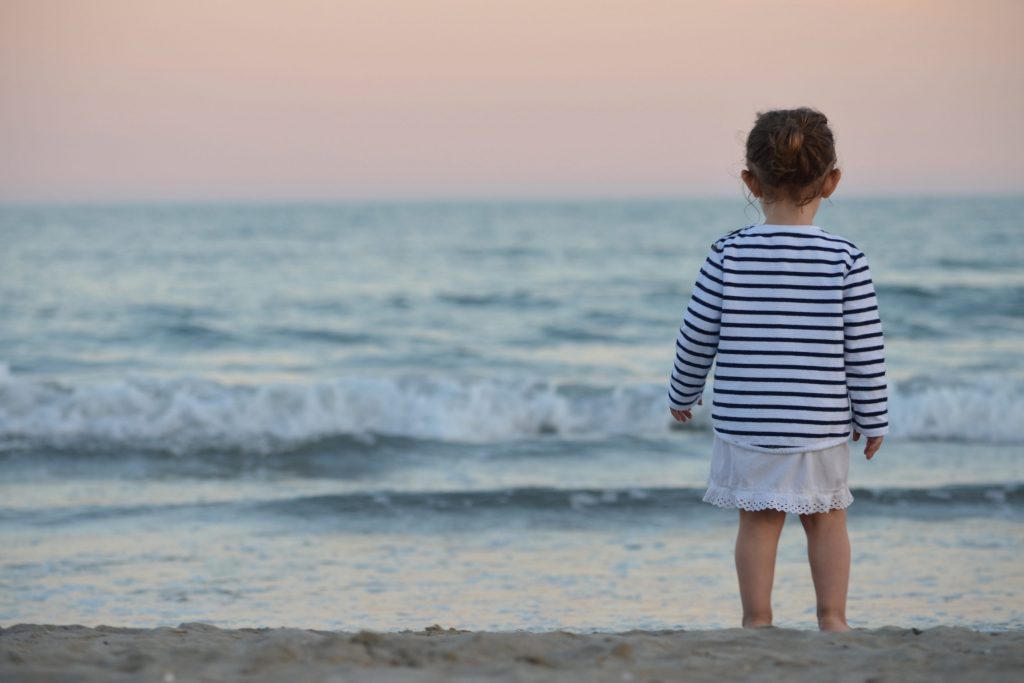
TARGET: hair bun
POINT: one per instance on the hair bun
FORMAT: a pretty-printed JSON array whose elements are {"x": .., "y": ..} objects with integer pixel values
[{"x": 791, "y": 140}]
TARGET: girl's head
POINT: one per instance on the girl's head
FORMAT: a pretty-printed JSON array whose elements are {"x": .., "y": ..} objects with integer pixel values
[{"x": 791, "y": 156}]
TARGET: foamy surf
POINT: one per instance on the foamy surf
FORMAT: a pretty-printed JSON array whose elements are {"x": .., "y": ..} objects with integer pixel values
[{"x": 191, "y": 413}]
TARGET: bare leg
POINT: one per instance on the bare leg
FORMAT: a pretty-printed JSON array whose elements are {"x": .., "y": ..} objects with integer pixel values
[
  {"x": 756, "y": 544},
  {"x": 828, "y": 549}
]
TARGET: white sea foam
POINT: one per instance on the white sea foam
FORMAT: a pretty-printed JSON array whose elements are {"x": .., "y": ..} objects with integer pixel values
[{"x": 191, "y": 413}]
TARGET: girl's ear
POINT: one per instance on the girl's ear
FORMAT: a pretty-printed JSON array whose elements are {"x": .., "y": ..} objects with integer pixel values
[
  {"x": 831, "y": 182},
  {"x": 751, "y": 181}
]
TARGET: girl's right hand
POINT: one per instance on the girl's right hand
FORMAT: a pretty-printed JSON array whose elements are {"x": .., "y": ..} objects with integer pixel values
[
  {"x": 872, "y": 446},
  {"x": 685, "y": 415},
  {"x": 681, "y": 415}
]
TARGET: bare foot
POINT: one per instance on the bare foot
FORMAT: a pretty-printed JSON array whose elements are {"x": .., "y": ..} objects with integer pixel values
[
  {"x": 833, "y": 624},
  {"x": 756, "y": 623}
]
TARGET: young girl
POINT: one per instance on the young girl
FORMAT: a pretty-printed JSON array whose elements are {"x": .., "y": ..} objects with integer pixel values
[{"x": 790, "y": 311}]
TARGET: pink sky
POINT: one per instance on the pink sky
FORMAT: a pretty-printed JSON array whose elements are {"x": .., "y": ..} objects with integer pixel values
[{"x": 312, "y": 99}]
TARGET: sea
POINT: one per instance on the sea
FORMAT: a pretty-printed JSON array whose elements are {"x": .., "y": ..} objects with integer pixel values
[{"x": 391, "y": 415}]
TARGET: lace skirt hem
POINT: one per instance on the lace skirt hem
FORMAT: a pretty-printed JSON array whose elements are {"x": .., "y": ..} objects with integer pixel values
[{"x": 797, "y": 503}]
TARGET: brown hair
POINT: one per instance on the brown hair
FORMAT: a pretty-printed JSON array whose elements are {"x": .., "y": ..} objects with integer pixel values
[{"x": 791, "y": 151}]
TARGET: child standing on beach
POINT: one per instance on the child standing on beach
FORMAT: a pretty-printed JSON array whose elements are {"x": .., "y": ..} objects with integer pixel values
[{"x": 789, "y": 310}]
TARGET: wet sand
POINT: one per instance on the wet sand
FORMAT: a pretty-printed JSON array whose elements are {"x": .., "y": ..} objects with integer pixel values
[{"x": 201, "y": 652}]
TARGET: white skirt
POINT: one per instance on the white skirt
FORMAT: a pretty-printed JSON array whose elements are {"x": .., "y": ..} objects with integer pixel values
[{"x": 802, "y": 483}]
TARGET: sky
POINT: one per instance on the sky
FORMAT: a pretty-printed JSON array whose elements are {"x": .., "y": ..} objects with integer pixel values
[{"x": 234, "y": 100}]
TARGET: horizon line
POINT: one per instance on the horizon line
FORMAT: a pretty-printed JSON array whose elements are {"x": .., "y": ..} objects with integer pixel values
[{"x": 474, "y": 199}]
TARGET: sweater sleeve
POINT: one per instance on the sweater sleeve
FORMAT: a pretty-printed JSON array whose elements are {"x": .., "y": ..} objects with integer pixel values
[
  {"x": 864, "y": 351},
  {"x": 697, "y": 340}
]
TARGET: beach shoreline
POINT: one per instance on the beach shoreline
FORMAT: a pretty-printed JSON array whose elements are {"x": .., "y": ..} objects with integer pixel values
[{"x": 196, "y": 651}]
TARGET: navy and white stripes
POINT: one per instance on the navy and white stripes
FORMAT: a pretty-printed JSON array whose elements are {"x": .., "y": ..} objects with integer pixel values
[{"x": 790, "y": 312}]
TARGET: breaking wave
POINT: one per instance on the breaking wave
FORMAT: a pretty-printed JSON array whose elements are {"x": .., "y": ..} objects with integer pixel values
[{"x": 189, "y": 413}]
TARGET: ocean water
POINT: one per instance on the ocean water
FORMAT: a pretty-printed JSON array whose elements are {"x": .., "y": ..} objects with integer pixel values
[{"x": 393, "y": 415}]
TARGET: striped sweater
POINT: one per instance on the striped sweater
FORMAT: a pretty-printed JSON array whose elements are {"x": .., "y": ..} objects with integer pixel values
[{"x": 790, "y": 312}]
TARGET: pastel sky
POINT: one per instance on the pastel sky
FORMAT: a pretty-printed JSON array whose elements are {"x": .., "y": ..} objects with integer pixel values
[{"x": 135, "y": 100}]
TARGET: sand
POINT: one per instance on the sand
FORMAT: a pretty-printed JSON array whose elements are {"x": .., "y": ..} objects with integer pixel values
[{"x": 201, "y": 652}]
